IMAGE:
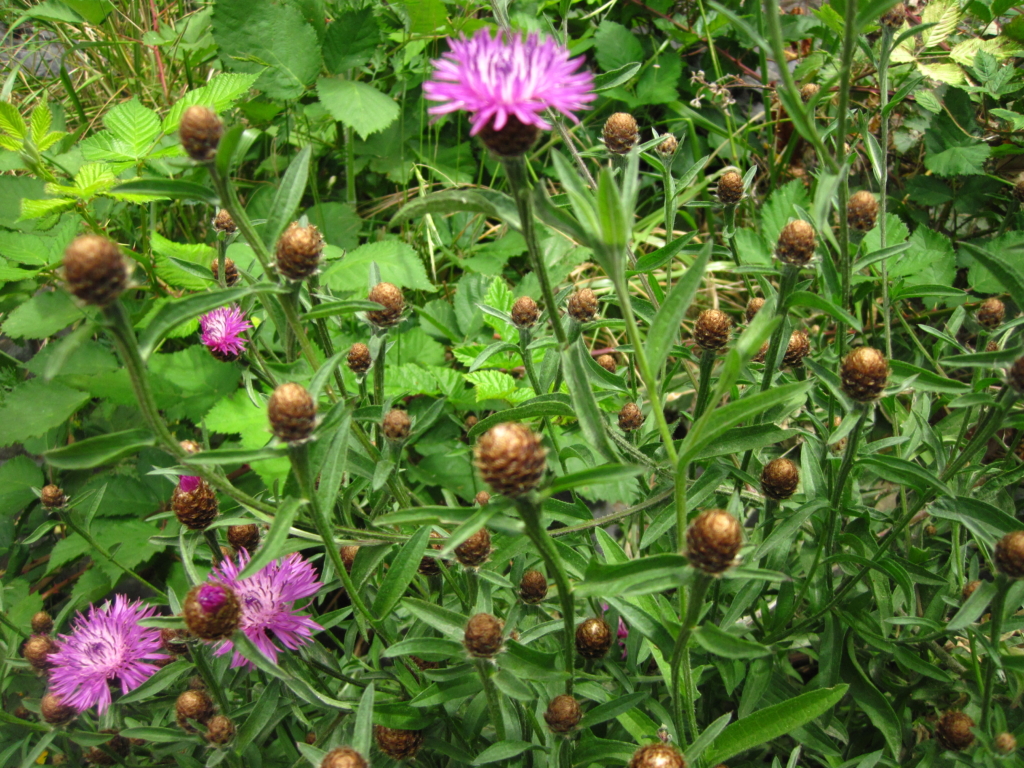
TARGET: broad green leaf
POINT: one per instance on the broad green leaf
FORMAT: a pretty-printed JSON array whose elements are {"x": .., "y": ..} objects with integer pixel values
[
  {"x": 42, "y": 315},
  {"x": 362, "y": 734},
  {"x": 544, "y": 405},
  {"x": 218, "y": 94},
  {"x": 903, "y": 472},
  {"x": 399, "y": 264},
  {"x": 357, "y": 105},
  {"x": 444, "y": 620},
  {"x": 503, "y": 750},
  {"x": 814, "y": 301},
  {"x": 640, "y": 576},
  {"x": 494, "y": 204},
  {"x": 612, "y": 709},
  {"x": 350, "y": 41},
  {"x": 1006, "y": 271},
  {"x": 606, "y": 473},
  {"x": 664, "y": 330},
  {"x": 97, "y": 451},
  {"x": 34, "y": 407},
  {"x": 17, "y": 478}
]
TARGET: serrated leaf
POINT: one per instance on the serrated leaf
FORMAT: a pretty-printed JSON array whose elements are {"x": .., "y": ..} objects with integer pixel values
[
  {"x": 218, "y": 94},
  {"x": 11, "y": 121},
  {"x": 491, "y": 385},
  {"x": 34, "y": 407},
  {"x": 41, "y": 120},
  {"x": 945, "y": 15},
  {"x": 133, "y": 125},
  {"x": 357, "y": 105},
  {"x": 944, "y": 72}
]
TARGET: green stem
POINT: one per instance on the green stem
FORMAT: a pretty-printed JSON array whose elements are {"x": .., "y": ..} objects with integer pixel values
[
  {"x": 995, "y": 625},
  {"x": 786, "y": 284},
  {"x": 839, "y": 165},
  {"x": 483, "y": 666},
  {"x": 531, "y": 371},
  {"x": 707, "y": 365},
  {"x": 883, "y": 181},
  {"x": 229, "y": 200},
  {"x": 682, "y": 696}
]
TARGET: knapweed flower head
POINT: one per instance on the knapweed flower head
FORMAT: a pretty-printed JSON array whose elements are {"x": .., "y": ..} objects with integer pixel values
[
  {"x": 189, "y": 483},
  {"x": 222, "y": 332},
  {"x": 267, "y": 601},
  {"x": 106, "y": 645},
  {"x": 499, "y": 78}
]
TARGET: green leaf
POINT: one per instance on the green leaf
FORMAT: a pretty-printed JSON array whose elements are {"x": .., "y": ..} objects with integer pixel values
[
  {"x": 11, "y": 121},
  {"x": 616, "y": 77},
  {"x": 232, "y": 456},
  {"x": 42, "y": 315},
  {"x": 286, "y": 199},
  {"x": 350, "y": 41},
  {"x": 606, "y": 473},
  {"x": 97, "y": 451},
  {"x": 17, "y": 478},
  {"x": 218, "y": 94},
  {"x": 637, "y": 577},
  {"x": 174, "y": 189},
  {"x": 134, "y": 126},
  {"x": 727, "y": 645},
  {"x": 431, "y": 648},
  {"x": 425, "y": 16},
  {"x": 538, "y": 407},
  {"x": 903, "y": 472},
  {"x": 870, "y": 700},
  {"x": 443, "y": 620},
  {"x": 492, "y": 385},
  {"x": 588, "y": 413},
  {"x": 612, "y": 709},
  {"x": 814, "y": 301},
  {"x": 401, "y": 573},
  {"x": 772, "y": 722},
  {"x": 357, "y": 105},
  {"x": 35, "y": 407},
  {"x": 261, "y": 714},
  {"x": 616, "y": 46},
  {"x": 1007, "y": 272},
  {"x": 399, "y": 264},
  {"x": 665, "y": 329},
  {"x": 781, "y": 207},
  {"x": 362, "y": 734},
  {"x": 166, "y": 677},
  {"x": 276, "y": 538},
  {"x": 503, "y": 750},
  {"x": 489, "y": 202}
]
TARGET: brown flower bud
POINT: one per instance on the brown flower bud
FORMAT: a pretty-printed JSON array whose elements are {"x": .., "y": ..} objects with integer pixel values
[
  {"x": 753, "y": 307},
  {"x": 359, "y": 359},
  {"x": 298, "y": 251},
  {"x": 799, "y": 347},
  {"x": 348, "y": 556},
  {"x": 969, "y": 589},
  {"x": 809, "y": 91},
  {"x": 245, "y": 536},
  {"x": 796, "y": 243},
  {"x": 525, "y": 312},
  {"x": 191, "y": 447},
  {"x": 343, "y": 757},
  {"x": 713, "y": 540},
  {"x": 607, "y": 362},
  {"x": 667, "y": 146},
  {"x": 991, "y": 313},
  {"x": 475, "y": 550},
  {"x": 118, "y": 745},
  {"x": 840, "y": 445},
  {"x": 396, "y": 425},
  {"x": 593, "y": 638},
  {"x": 1005, "y": 743},
  {"x": 730, "y": 188},
  {"x": 1015, "y": 375},
  {"x": 583, "y": 305},
  {"x": 930, "y": 530},
  {"x": 761, "y": 354},
  {"x": 779, "y": 479},
  {"x": 193, "y": 705},
  {"x": 563, "y": 714},
  {"x": 483, "y": 636},
  {"x": 393, "y": 302},
  {"x": 231, "y": 276},
  {"x": 292, "y": 413},
  {"x": 430, "y": 566},
  {"x": 200, "y": 133},
  {"x": 862, "y": 210},
  {"x": 894, "y": 17},
  {"x": 953, "y": 731},
  {"x": 52, "y": 497},
  {"x": 42, "y": 623},
  {"x": 220, "y": 730},
  {"x": 533, "y": 587},
  {"x": 37, "y": 650},
  {"x": 195, "y": 509},
  {"x": 514, "y": 139},
  {"x": 483, "y": 498},
  {"x": 53, "y": 711},
  {"x": 864, "y": 374},
  {"x": 396, "y": 743},
  {"x": 94, "y": 270},
  {"x": 631, "y": 418},
  {"x": 1009, "y": 555},
  {"x": 510, "y": 458},
  {"x": 174, "y": 640},
  {"x": 211, "y": 611},
  {"x": 223, "y": 222},
  {"x": 657, "y": 756},
  {"x": 711, "y": 331},
  {"x": 621, "y": 133}
]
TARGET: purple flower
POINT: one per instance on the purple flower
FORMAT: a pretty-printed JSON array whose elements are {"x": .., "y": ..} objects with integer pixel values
[
  {"x": 189, "y": 483},
  {"x": 107, "y": 645},
  {"x": 268, "y": 603},
  {"x": 222, "y": 330},
  {"x": 496, "y": 79}
]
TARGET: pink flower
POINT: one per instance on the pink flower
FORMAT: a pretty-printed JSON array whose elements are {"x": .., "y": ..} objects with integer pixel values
[
  {"x": 495, "y": 79},
  {"x": 268, "y": 600},
  {"x": 189, "y": 483},
  {"x": 108, "y": 645},
  {"x": 222, "y": 331}
]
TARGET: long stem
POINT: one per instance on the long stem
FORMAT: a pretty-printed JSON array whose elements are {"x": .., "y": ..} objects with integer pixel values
[
  {"x": 789, "y": 276},
  {"x": 229, "y": 200},
  {"x": 841, "y": 152},
  {"x": 883, "y": 181},
  {"x": 682, "y": 696},
  {"x": 483, "y": 666},
  {"x": 707, "y": 365},
  {"x": 524, "y": 351},
  {"x": 995, "y": 625}
]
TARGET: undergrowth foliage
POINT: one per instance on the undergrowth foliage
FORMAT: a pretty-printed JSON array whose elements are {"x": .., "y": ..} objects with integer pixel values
[{"x": 534, "y": 384}]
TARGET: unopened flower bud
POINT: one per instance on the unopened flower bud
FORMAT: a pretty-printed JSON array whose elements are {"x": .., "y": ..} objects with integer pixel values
[
  {"x": 713, "y": 540},
  {"x": 483, "y": 498},
  {"x": 292, "y": 413},
  {"x": 430, "y": 566},
  {"x": 753, "y": 307},
  {"x": 953, "y": 731},
  {"x": 862, "y": 210},
  {"x": 223, "y": 222},
  {"x": 193, "y": 705},
  {"x": 194, "y": 503},
  {"x": 200, "y": 133},
  {"x": 1009, "y": 555},
  {"x": 483, "y": 636},
  {"x": 563, "y": 713},
  {"x": 1015, "y": 375},
  {"x": 37, "y": 650},
  {"x": 514, "y": 139},
  {"x": 796, "y": 243},
  {"x": 359, "y": 359},
  {"x": 969, "y": 589},
  {"x": 343, "y": 757},
  {"x": 298, "y": 251},
  {"x": 174, "y": 640},
  {"x": 621, "y": 133},
  {"x": 511, "y": 458},
  {"x": 809, "y": 91},
  {"x": 393, "y": 302},
  {"x": 657, "y": 756},
  {"x": 231, "y": 276},
  {"x": 991, "y": 313},
  {"x": 348, "y": 556},
  {"x": 533, "y": 587},
  {"x": 583, "y": 305},
  {"x": 246, "y": 536},
  {"x": 53, "y": 711},
  {"x": 894, "y": 17},
  {"x": 475, "y": 550},
  {"x": 396, "y": 425},
  {"x": 94, "y": 270},
  {"x": 1005, "y": 743},
  {"x": 667, "y": 146},
  {"x": 631, "y": 418},
  {"x": 396, "y": 743},
  {"x": 799, "y": 347},
  {"x": 864, "y": 374},
  {"x": 42, "y": 623},
  {"x": 711, "y": 331},
  {"x": 211, "y": 611},
  {"x": 779, "y": 479},
  {"x": 220, "y": 730},
  {"x": 525, "y": 312},
  {"x": 730, "y": 188},
  {"x": 593, "y": 638},
  {"x": 607, "y": 362}
]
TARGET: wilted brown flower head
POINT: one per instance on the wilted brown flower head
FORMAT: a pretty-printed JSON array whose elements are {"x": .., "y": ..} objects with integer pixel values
[
  {"x": 753, "y": 307},
  {"x": 220, "y": 730},
  {"x": 583, "y": 305},
  {"x": 298, "y": 251},
  {"x": 53, "y": 711},
  {"x": 796, "y": 243},
  {"x": 37, "y": 650},
  {"x": 393, "y": 302},
  {"x": 864, "y": 374},
  {"x": 711, "y": 331},
  {"x": 809, "y": 91},
  {"x": 779, "y": 479},
  {"x": 343, "y": 757},
  {"x": 621, "y": 133},
  {"x": 862, "y": 210},
  {"x": 525, "y": 312},
  {"x": 991, "y": 313},
  {"x": 667, "y": 146},
  {"x": 713, "y": 540},
  {"x": 42, "y": 623},
  {"x": 1009, "y": 555},
  {"x": 563, "y": 714},
  {"x": 483, "y": 498},
  {"x": 246, "y": 536},
  {"x": 593, "y": 638},
  {"x": 607, "y": 362},
  {"x": 510, "y": 458},
  {"x": 200, "y": 133},
  {"x": 533, "y": 587},
  {"x": 657, "y": 756},
  {"x": 396, "y": 425},
  {"x": 953, "y": 731},
  {"x": 475, "y": 550},
  {"x": 193, "y": 705},
  {"x": 513, "y": 140},
  {"x": 631, "y": 418},
  {"x": 94, "y": 270},
  {"x": 483, "y": 636},
  {"x": 223, "y": 222},
  {"x": 894, "y": 17},
  {"x": 359, "y": 359},
  {"x": 396, "y": 743},
  {"x": 799, "y": 347},
  {"x": 292, "y": 413},
  {"x": 211, "y": 611},
  {"x": 730, "y": 188}
]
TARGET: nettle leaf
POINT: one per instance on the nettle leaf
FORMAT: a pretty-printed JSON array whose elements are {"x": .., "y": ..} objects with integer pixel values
[
  {"x": 945, "y": 15},
  {"x": 929, "y": 260},
  {"x": 492, "y": 385},
  {"x": 781, "y": 207},
  {"x": 134, "y": 125},
  {"x": 499, "y": 296},
  {"x": 398, "y": 263},
  {"x": 11, "y": 121},
  {"x": 42, "y": 316},
  {"x": 616, "y": 46},
  {"x": 350, "y": 41},
  {"x": 35, "y": 407},
  {"x": 357, "y": 105},
  {"x": 218, "y": 94},
  {"x": 945, "y": 72},
  {"x": 951, "y": 152}
]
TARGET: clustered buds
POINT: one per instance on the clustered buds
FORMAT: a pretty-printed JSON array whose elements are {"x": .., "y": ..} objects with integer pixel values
[
  {"x": 607, "y": 362},
  {"x": 563, "y": 713},
  {"x": 711, "y": 331},
  {"x": 393, "y": 304},
  {"x": 593, "y": 638},
  {"x": 396, "y": 425},
  {"x": 292, "y": 413},
  {"x": 475, "y": 550},
  {"x": 631, "y": 418},
  {"x": 809, "y": 91},
  {"x": 42, "y": 623},
  {"x": 991, "y": 313},
  {"x": 194, "y": 503},
  {"x": 94, "y": 269},
  {"x": 483, "y": 636},
  {"x": 53, "y": 711},
  {"x": 211, "y": 611},
  {"x": 753, "y": 307},
  {"x": 799, "y": 347},
  {"x": 525, "y": 312},
  {"x": 343, "y": 757},
  {"x": 200, "y": 133},
  {"x": 796, "y": 243},
  {"x": 298, "y": 251},
  {"x": 231, "y": 276},
  {"x": 37, "y": 650},
  {"x": 583, "y": 305},
  {"x": 894, "y": 17},
  {"x": 513, "y": 140},
  {"x": 657, "y": 756},
  {"x": 359, "y": 359},
  {"x": 194, "y": 704},
  {"x": 864, "y": 374},
  {"x": 396, "y": 743},
  {"x": 730, "y": 188},
  {"x": 511, "y": 459},
  {"x": 533, "y": 587},
  {"x": 779, "y": 479},
  {"x": 862, "y": 210},
  {"x": 667, "y": 146},
  {"x": 621, "y": 133},
  {"x": 246, "y": 536},
  {"x": 1009, "y": 555},
  {"x": 953, "y": 731},
  {"x": 713, "y": 540},
  {"x": 223, "y": 222}
]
